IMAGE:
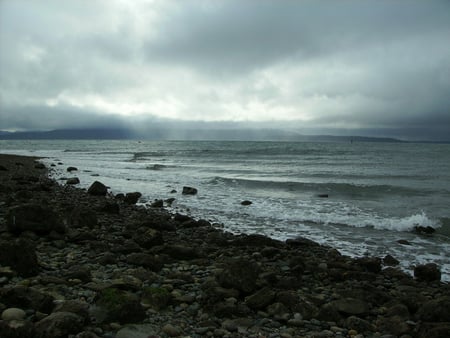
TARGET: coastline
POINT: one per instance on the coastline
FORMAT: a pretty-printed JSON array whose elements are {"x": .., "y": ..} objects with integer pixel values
[{"x": 90, "y": 265}]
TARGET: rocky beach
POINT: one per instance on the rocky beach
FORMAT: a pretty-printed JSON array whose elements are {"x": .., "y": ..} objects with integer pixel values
[{"x": 87, "y": 263}]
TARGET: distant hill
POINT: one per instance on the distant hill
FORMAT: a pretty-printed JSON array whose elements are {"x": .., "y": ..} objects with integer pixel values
[{"x": 184, "y": 134}]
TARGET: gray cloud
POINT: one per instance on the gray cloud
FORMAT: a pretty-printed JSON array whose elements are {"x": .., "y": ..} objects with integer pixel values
[{"x": 355, "y": 64}]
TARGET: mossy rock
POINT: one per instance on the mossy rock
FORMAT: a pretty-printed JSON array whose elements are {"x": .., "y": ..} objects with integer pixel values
[
  {"x": 157, "y": 298},
  {"x": 120, "y": 305}
]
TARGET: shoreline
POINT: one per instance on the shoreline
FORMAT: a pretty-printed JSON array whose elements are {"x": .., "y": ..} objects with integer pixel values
[{"x": 101, "y": 263}]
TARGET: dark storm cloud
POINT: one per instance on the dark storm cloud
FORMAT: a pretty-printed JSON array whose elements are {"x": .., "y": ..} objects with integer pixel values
[{"x": 352, "y": 64}]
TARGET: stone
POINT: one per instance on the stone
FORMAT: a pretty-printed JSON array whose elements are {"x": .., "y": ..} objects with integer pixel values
[
  {"x": 189, "y": 191},
  {"x": 394, "y": 325},
  {"x": 82, "y": 217},
  {"x": 157, "y": 204},
  {"x": 152, "y": 262},
  {"x": 132, "y": 197},
  {"x": 81, "y": 272},
  {"x": 358, "y": 324},
  {"x": 427, "y": 272},
  {"x": 111, "y": 208},
  {"x": 70, "y": 169},
  {"x": 436, "y": 310},
  {"x": 33, "y": 217},
  {"x": 97, "y": 189},
  {"x": 138, "y": 331},
  {"x": 39, "y": 166},
  {"x": 260, "y": 299},
  {"x": 171, "y": 330},
  {"x": 119, "y": 305},
  {"x": 59, "y": 325},
  {"x": 148, "y": 238},
  {"x": 183, "y": 252},
  {"x": 390, "y": 261},
  {"x": 20, "y": 255},
  {"x": 13, "y": 313},
  {"x": 246, "y": 202},
  {"x": 73, "y": 180},
  {"x": 403, "y": 242},
  {"x": 240, "y": 274},
  {"x": 369, "y": 264},
  {"x": 17, "y": 329},
  {"x": 28, "y": 298},
  {"x": 427, "y": 230},
  {"x": 157, "y": 298},
  {"x": 73, "y": 306},
  {"x": 351, "y": 306}
]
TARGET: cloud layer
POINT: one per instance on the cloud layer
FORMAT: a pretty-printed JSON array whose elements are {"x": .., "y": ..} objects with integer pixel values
[{"x": 353, "y": 64}]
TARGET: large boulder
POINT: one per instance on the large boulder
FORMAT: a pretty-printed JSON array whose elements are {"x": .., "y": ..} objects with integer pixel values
[
  {"x": 98, "y": 189},
  {"x": 189, "y": 191},
  {"x": 20, "y": 255},
  {"x": 33, "y": 217},
  {"x": 132, "y": 197},
  {"x": 436, "y": 310},
  {"x": 427, "y": 272},
  {"x": 240, "y": 274},
  {"x": 59, "y": 325}
]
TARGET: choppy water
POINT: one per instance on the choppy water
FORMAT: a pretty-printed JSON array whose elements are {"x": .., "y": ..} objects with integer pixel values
[{"x": 377, "y": 192}]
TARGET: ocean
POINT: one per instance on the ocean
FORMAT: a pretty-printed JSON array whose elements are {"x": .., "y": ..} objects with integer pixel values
[{"x": 376, "y": 192}]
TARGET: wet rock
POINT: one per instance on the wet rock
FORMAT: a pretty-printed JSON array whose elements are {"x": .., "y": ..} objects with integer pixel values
[
  {"x": 97, "y": 189},
  {"x": 246, "y": 202},
  {"x": 33, "y": 217},
  {"x": 121, "y": 306},
  {"x": 189, "y": 191},
  {"x": 157, "y": 204},
  {"x": 20, "y": 255},
  {"x": 132, "y": 197},
  {"x": 322, "y": 195},
  {"x": 28, "y": 298},
  {"x": 369, "y": 264},
  {"x": 70, "y": 169},
  {"x": 240, "y": 274},
  {"x": 82, "y": 217},
  {"x": 39, "y": 166},
  {"x": 403, "y": 242},
  {"x": 148, "y": 238},
  {"x": 59, "y": 325},
  {"x": 260, "y": 299},
  {"x": 427, "y": 272},
  {"x": 13, "y": 313},
  {"x": 436, "y": 310},
  {"x": 390, "y": 261},
  {"x": 73, "y": 180},
  {"x": 152, "y": 262},
  {"x": 424, "y": 230}
]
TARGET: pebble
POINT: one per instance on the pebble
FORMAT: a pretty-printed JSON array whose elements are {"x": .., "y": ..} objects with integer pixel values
[{"x": 13, "y": 313}]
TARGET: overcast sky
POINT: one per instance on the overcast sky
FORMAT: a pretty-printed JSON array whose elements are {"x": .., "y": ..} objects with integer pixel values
[{"x": 311, "y": 65}]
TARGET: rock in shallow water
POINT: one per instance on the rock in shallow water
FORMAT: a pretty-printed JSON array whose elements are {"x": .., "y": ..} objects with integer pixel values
[
  {"x": 427, "y": 272},
  {"x": 97, "y": 189}
]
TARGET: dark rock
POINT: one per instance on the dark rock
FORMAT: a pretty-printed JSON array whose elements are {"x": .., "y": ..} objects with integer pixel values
[
  {"x": 301, "y": 242},
  {"x": 120, "y": 305},
  {"x": 170, "y": 201},
  {"x": 79, "y": 308},
  {"x": 132, "y": 197},
  {"x": 3, "y": 168},
  {"x": 73, "y": 181},
  {"x": 82, "y": 217},
  {"x": 59, "y": 325},
  {"x": 403, "y": 242},
  {"x": 256, "y": 240},
  {"x": 97, "y": 189},
  {"x": 182, "y": 252},
  {"x": 260, "y": 299},
  {"x": 127, "y": 247},
  {"x": 351, "y": 306},
  {"x": 359, "y": 324},
  {"x": 246, "y": 202},
  {"x": 20, "y": 255},
  {"x": 39, "y": 166},
  {"x": 369, "y": 264},
  {"x": 107, "y": 259},
  {"x": 111, "y": 208},
  {"x": 148, "y": 238},
  {"x": 157, "y": 298},
  {"x": 33, "y": 217},
  {"x": 434, "y": 330},
  {"x": 189, "y": 191},
  {"x": 152, "y": 262},
  {"x": 323, "y": 195},
  {"x": 394, "y": 325},
  {"x": 28, "y": 298},
  {"x": 240, "y": 274},
  {"x": 80, "y": 272},
  {"x": 17, "y": 329},
  {"x": 391, "y": 261},
  {"x": 157, "y": 204},
  {"x": 428, "y": 272},
  {"x": 399, "y": 310},
  {"x": 70, "y": 169},
  {"x": 424, "y": 230},
  {"x": 436, "y": 310}
]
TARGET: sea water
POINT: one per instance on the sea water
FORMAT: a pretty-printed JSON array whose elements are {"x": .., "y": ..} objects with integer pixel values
[{"x": 376, "y": 192}]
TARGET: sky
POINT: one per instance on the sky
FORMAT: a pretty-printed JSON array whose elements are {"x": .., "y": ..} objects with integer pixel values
[{"x": 380, "y": 68}]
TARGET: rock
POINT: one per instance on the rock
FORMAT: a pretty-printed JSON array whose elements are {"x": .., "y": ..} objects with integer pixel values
[
  {"x": 73, "y": 180},
  {"x": 132, "y": 197},
  {"x": 121, "y": 306},
  {"x": 246, "y": 202},
  {"x": 39, "y": 166},
  {"x": 152, "y": 262},
  {"x": 390, "y": 261},
  {"x": 20, "y": 255},
  {"x": 82, "y": 217},
  {"x": 111, "y": 208},
  {"x": 3, "y": 168},
  {"x": 157, "y": 204},
  {"x": 33, "y": 217},
  {"x": 28, "y": 298},
  {"x": 436, "y": 310},
  {"x": 428, "y": 272},
  {"x": 70, "y": 169},
  {"x": 240, "y": 274},
  {"x": 358, "y": 324},
  {"x": 322, "y": 195},
  {"x": 157, "y": 298},
  {"x": 17, "y": 329},
  {"x": 182, "y": 252},
  {"x": 189, "y": 191},
  {"x": 59, "y": 325},
  {"x": 148, "y": 238},
  {"x": 403, "y": 242},
  {"x": 171, "y": 330},
  {"x": 13, "y": 313},
  {"x": 73, "y": 306},
  {"x": 434, "y": 330},
  {"x": 369, "y": 264},
  {"x": 97, "y": 189},
  {"x": 424, "y": 230},
  {"x": 138, "y": 331},
  {"x": 260, "y": 299},
  {"x": 80, "y": 272},
  {"x": 351, "y": 306},
  {"x": 394, "y": 325}
]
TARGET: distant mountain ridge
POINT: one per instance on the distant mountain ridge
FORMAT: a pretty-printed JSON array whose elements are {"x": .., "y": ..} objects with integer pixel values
[{"x": 184, "y": 134}]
